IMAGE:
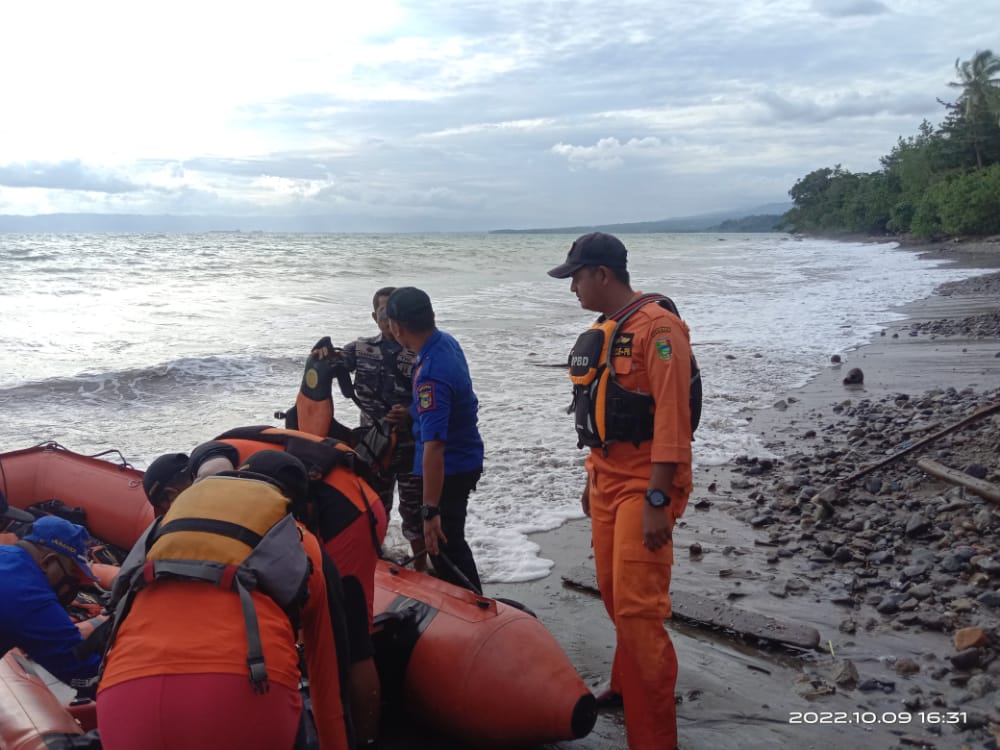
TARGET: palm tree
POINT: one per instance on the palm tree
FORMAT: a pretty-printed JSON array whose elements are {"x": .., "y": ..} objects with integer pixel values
[{"x": 979, "y": 79}]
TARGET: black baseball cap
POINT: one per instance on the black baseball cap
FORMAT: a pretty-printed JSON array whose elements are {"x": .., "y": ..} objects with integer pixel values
[
  {"x": 163, "y": 472},
  {"x": 212, "y": 449},
  {"x": 594, "y": 249},
  {"x": 279, "y": 468},
  {"x": 408, "y": 304}
]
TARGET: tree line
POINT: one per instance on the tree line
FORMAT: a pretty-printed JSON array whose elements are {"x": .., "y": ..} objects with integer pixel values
[{"x": 944, "y": 180}]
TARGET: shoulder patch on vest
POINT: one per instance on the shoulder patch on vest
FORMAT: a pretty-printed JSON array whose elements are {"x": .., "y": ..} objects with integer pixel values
[
  {"x": 663, "y": 349},
  {"x": 661, "y": 329},
  {"x": 425, "y": 396}
]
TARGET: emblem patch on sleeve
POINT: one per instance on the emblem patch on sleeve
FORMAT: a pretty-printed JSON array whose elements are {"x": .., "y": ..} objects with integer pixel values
[
  {"x": 425, "y": 396},
  {"x": 663, "y": 350}
]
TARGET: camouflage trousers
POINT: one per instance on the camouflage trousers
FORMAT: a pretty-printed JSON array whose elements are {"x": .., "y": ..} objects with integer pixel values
[{"x": 411, "y": 491}]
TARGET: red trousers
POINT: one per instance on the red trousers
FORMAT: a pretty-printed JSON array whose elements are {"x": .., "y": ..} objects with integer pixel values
[
  {"x": 197, "y": 712},
  {"x": 635, "y": 588}
]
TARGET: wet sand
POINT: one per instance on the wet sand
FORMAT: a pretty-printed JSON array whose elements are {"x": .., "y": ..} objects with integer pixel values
[{"x": 734, "y": 694}]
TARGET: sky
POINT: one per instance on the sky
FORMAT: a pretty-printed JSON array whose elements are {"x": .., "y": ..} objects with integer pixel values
[{"x": 393, "y": 115}]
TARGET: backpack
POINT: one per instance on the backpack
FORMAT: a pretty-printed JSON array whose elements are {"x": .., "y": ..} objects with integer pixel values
[{"x": 230, "y": 532}]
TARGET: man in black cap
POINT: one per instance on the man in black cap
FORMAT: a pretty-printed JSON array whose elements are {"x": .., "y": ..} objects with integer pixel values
[
  {"x": 631, "y": 375},
  {"x": 449, "y": 449},
  {"x": 164, "y": 480}
]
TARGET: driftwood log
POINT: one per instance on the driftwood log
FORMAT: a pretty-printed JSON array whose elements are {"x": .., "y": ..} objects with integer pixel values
[
  {"x": 953, "y": 476},
  {"x": 983, "y": 411},
  {"x": 705, "y": 612}
]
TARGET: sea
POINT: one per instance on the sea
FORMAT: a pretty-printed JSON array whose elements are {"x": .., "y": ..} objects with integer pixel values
[{"x": 153, "y": 343}]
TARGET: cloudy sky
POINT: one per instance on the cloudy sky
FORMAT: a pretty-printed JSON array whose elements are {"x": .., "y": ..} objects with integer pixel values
[{"x": 402, "y": 114}]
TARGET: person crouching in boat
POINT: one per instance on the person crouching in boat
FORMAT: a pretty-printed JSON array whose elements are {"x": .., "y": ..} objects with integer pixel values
[
  {"x": 39, "y": 576},
  {"x": 201, "y": 663},
  {"x": 164, "y": 480},
  {"x": 346, "y": 515}
]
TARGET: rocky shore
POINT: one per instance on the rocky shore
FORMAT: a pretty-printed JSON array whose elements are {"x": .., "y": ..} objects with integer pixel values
[{"x": 898, "y": 570}]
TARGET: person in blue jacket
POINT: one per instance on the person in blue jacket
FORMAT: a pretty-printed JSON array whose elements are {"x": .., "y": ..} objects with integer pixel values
[
  {"x": 39, "y": 576},
  {"x": 449, "y": 449}
]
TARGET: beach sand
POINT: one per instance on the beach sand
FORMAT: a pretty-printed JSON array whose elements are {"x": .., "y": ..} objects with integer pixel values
[{"x": 736, "y": 694}]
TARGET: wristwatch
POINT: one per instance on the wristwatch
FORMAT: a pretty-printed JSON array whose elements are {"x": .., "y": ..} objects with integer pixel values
[
  {"x": 657, "y": 498},
  {"x": 427, "y": 512}
]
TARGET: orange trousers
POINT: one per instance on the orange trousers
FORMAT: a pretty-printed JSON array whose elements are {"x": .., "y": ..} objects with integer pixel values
[{"x": 635, "y": 588}]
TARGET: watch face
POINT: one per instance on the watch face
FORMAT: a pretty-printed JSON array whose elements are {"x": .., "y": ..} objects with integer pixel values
[{"x": 657, "y": 498}]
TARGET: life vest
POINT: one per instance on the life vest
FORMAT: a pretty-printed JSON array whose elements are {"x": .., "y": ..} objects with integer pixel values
[
  {"x": 313, "y": 410},
  {"x": 232, "y": 532},
  {"x": 605, "y": 412},
  {"x": 339, "y": 491},
  {"x": 314, "y": 413}
]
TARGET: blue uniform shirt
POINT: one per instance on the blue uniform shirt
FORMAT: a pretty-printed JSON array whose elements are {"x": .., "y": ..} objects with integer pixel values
[
  {"x": 32, "y": 619},
  {"x": 445, "y": 407}
]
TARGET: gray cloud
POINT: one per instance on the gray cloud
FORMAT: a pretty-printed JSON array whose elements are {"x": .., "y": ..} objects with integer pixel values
[
  {"x": 847, "y": 8},
  {"x": 64, "y": 175},
  {"x": 821, "y": 108}
]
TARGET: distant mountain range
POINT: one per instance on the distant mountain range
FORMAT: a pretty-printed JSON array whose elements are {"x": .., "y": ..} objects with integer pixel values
[{"x": 760, "y": 219}]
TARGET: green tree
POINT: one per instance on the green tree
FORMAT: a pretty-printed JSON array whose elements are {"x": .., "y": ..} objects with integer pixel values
[{"x": 979, "y": 80}]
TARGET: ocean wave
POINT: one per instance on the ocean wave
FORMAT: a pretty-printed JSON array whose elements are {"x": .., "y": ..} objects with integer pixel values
[{"x": 191, "y": 374}]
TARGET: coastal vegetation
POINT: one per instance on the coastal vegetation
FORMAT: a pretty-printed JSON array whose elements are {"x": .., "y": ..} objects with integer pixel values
[{"x": 945, "y": 180}]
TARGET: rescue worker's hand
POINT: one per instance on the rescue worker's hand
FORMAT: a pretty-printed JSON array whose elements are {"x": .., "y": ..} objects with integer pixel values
[
  {"x": 585, "y": 499},
  {"x": 398, "y": 415},
  {"x": 432, "y": 533},
  {"x": 656, "y": 524},
  {"x": 324, "y": 349}
]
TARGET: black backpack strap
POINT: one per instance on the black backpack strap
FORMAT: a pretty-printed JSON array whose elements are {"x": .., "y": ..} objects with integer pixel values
[
  {"x": 235, "y": 531},
  {"x": 255, "y": 650}
]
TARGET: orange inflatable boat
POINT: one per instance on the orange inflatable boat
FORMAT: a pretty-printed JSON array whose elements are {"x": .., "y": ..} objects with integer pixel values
[{"x": 508, "y": 680}]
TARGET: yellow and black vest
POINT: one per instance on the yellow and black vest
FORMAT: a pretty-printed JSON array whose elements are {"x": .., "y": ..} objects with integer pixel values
[
  {"x": 233, "y": 532},
  {"x": 605, "y": 412}
]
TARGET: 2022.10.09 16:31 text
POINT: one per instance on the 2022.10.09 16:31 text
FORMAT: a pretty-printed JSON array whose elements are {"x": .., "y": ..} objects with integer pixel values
[{"x": 880, "y": 717}]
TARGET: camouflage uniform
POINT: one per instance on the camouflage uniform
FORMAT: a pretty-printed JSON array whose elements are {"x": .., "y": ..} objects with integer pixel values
[{"x": 382, "y": 378}]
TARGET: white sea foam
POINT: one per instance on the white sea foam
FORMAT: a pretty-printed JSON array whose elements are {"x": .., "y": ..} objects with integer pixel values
[{"x": 154, "y": 343}]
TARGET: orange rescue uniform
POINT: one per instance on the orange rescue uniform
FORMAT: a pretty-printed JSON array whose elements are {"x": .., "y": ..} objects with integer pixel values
[
  {"x": 193, "y": 628},
  {"x": 653, "y": 356}
]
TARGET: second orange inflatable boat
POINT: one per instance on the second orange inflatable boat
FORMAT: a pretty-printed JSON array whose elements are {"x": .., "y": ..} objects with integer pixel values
[{"x": 508, "y": 680}]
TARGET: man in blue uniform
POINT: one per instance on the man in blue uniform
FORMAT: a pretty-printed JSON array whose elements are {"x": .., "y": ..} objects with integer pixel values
[
  {"x": 449, "y": 450},
  {"x": 39, "y": 575}
]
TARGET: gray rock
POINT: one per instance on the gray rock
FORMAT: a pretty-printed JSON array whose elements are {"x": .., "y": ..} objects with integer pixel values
[
  {"x": 845, "y": 674},
  {"x": 990, "y": 598},
  {"x": 916, "y": 525},
  {"x": 980, "y": 685},
  {"x": 968, "y": 659},
  {"x": 932, "y": 620},
  {"x": 986, "y": 564},
  {"x": 952, "y": 563},
  {"x": 854, "y": 376},
  {"x": 843, "y": 555},
  {"x": 889, "y": 604},
  {"x": 977, "y": 470},
  {"x": 882, "y": 556},
  {"x": 920, "y": 591},
  {"x": 914, "y": 571}
]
